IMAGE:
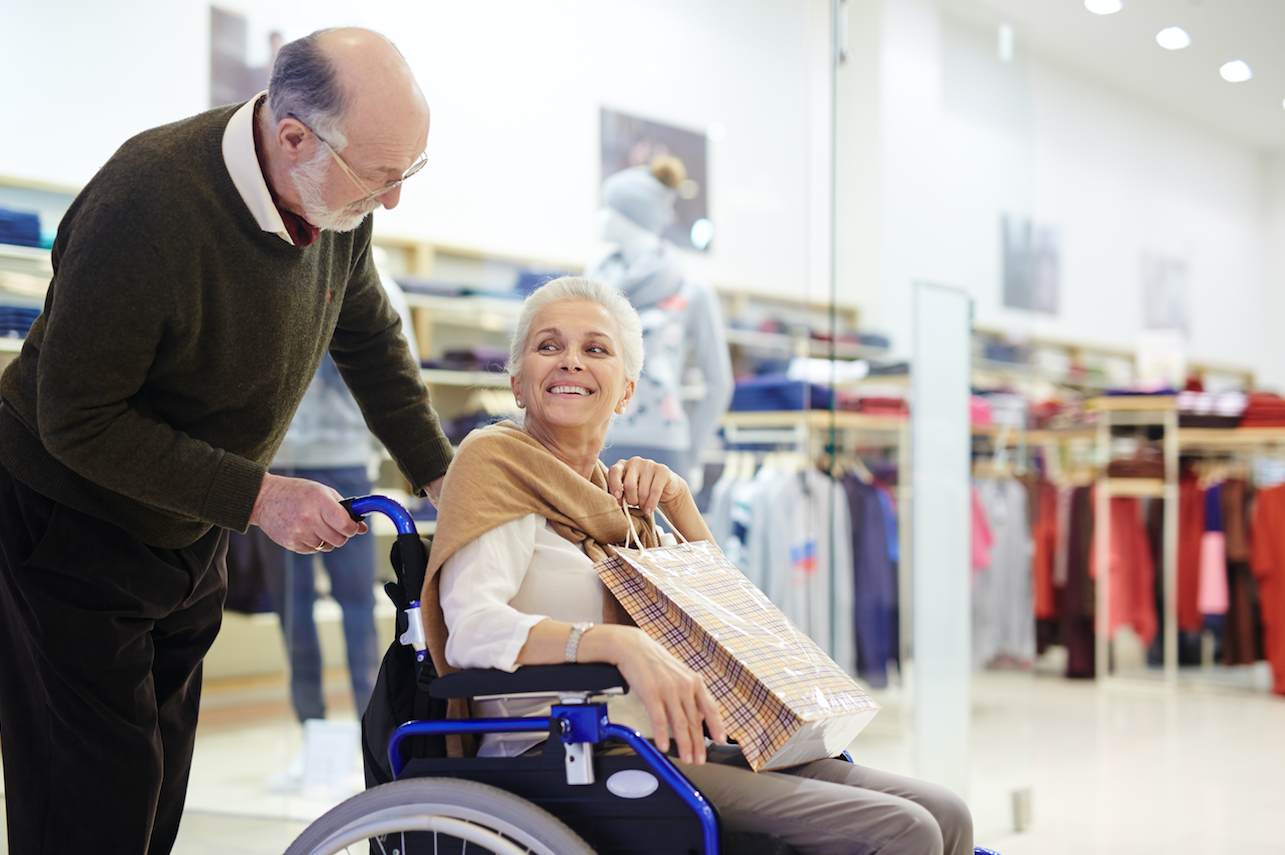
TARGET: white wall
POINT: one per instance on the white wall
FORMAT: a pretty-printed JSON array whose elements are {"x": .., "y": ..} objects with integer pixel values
[
  {"x": 964, "y": 139},
  {"x": 1273, "y": 304},
  {"x": 937, "y": 140},
  {"x": 515, "y": 89}
]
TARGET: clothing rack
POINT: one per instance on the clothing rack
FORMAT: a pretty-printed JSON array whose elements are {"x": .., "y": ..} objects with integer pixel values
[
  {"x": 816, "y": 431},
  {"x": 1162, "y": 410}
]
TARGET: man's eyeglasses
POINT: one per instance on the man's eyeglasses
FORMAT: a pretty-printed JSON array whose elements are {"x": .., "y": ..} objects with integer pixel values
[{"x": 348, "y": 170}]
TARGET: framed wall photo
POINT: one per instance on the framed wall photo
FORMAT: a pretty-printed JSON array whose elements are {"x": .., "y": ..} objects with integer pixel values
[
  {"x": 1031, "y": 275},
  {"x": 1164, "y": 293},
  {"x": 630, "y": 141},
  {"x": 239, "y": 70}
]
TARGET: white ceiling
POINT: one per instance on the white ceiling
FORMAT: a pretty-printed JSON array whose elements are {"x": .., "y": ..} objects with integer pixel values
[{"x": 1120, "y": 50}]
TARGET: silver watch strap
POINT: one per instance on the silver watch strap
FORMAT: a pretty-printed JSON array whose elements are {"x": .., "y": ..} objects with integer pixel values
[{"x": 573, "y": 640}]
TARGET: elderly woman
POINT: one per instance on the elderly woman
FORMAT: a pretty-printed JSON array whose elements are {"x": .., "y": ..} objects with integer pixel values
[{"x": 525, "y": 512}]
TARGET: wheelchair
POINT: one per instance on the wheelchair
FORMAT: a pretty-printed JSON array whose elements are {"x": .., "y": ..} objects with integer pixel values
[{"x": 581, "y": 794}]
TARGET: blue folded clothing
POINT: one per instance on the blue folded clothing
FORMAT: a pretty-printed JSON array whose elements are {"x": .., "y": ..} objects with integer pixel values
[
  {"x": 15, "y": 321},
  {"x": 778, "y": 392},
  {"x": 19, "y": 227}
]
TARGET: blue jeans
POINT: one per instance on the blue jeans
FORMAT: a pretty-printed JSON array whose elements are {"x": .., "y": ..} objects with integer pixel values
[{"x": 351, "y": 569}]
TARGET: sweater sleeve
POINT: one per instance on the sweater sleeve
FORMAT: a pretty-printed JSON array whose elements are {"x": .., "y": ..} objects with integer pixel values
[
  {"x": 111, "y": 311},
  {"x": 710, "y": 346},
  {"x": 478, "y": 581},
  {"x": 376, "y": 362}
]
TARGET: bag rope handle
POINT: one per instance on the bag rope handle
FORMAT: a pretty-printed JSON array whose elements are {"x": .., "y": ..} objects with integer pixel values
[{"x": 629, "y": 519}]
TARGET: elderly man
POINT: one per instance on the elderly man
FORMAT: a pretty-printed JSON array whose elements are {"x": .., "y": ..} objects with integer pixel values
[{"x": 198, "y": 280}]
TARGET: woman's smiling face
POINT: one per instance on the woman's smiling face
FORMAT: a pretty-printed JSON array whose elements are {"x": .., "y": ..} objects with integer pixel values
[{"x": 573, "y": 377}]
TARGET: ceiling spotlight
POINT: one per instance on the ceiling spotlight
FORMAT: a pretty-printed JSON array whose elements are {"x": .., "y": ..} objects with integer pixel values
[
  {"x": 1236, "y": 72},
  {"x": 1103, "y": 7},
  {"x": 1173, "y": 38}
]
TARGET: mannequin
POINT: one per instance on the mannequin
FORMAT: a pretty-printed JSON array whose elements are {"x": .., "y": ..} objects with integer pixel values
[{"x": 681, "y": 319}]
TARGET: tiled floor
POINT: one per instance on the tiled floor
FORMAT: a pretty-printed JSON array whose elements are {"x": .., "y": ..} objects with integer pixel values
[{"x": 1128, "y": 767}]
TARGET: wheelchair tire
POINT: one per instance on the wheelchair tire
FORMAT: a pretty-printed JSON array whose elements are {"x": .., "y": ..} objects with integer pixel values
[{"x": 459, "y": 810}]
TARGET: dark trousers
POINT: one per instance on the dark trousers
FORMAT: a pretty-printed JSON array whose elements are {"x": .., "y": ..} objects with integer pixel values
[{"x": 101, "y": 642}]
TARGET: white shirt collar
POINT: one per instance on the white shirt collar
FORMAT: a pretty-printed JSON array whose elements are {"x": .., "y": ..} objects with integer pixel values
[{"x": 243, "y": 165}]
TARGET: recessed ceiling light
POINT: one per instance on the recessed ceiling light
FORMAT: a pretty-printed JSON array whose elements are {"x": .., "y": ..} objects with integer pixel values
[
  {"x": 1103, "y": 7},
  {"x": 1173, "y": 38},
  {"x": 1236, "y": 72}
]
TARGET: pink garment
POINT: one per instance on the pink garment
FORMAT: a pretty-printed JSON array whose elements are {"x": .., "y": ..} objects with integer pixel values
[
  {"x": 1213, "y": 597},
  {"x": 983, "y": 539},
  {"x": 979, "y": 412}
]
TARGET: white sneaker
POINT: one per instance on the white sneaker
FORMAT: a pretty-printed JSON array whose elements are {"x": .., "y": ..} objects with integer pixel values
[{"x": 290, "y": 780}]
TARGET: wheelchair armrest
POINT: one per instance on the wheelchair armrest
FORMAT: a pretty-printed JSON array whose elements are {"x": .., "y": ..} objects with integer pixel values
[{"x": 470, "y": 683}]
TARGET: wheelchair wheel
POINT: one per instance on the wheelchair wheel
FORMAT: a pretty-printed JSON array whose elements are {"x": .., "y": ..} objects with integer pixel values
[{"x": 437, "y": 815}]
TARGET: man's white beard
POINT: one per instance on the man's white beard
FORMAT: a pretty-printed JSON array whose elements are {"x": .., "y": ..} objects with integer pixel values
[{"x": 308, "y": 178}]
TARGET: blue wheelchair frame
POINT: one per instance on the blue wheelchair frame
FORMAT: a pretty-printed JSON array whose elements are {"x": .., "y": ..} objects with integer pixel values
[{"x": 581, "y": 726}]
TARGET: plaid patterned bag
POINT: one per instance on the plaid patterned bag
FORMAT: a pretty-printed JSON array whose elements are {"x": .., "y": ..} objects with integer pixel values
[{"x": 783, "y": 700}]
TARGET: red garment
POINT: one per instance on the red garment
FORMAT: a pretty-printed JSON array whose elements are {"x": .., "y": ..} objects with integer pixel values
[
  {"x": 1191, "y": 532},
  {"x": 1133, "y": 571},
  {"x": 1044, "y": 535},
  {"x": 1267, "y": 561}
]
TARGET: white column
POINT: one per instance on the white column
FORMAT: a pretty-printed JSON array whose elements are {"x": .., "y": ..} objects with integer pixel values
[{"x": 942, "y": 631}]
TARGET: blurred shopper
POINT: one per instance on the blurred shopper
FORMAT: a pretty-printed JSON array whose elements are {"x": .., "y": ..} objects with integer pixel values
[
  {"x": 680, "y": 316},
  {"x": 328, "y": 442},
  {"x": 199, "y": 278}
]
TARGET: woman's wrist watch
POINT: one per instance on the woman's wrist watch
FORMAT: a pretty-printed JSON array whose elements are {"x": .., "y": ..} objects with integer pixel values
[{"x": 573, "y": 640}]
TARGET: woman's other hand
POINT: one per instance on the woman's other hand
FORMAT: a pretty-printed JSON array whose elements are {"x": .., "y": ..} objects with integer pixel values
[
  {"x": 644, "y": 483},
  {"x": 676, "y": 697}
]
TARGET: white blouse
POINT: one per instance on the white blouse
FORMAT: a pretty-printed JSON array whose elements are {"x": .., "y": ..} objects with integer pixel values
[{"x": 494, "y": 589}]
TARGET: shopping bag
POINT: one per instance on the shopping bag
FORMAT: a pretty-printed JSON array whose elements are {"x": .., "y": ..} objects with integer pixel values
[{"x": 782, "y": 699}]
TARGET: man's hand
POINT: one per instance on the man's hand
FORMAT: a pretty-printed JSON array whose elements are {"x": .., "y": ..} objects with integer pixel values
[
  {"x": 434, "y": 491},
  {"x": 303, "y": 516}
]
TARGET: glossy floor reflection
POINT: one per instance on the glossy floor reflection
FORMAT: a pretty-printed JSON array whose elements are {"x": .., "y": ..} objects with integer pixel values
[{"x": 1129, "y": 767}]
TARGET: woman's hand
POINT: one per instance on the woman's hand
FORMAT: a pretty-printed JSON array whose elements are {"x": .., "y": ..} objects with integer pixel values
[
  {"x": 644, "y": 483},
  {"x": 647, "y": 484},
  {"x": 675, "y": 696}
]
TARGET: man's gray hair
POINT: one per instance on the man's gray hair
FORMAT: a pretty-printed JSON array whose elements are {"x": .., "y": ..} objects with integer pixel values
[
  {"x": 593, "y": 291},
  {"x": 304, "y": 84}
]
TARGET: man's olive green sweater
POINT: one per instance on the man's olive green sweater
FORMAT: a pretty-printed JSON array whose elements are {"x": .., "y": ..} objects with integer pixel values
[{"x": 177, "y": 339}]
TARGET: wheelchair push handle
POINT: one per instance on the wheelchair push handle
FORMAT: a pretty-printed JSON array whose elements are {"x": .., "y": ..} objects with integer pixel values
[
  {"x": 411, "y": 567},
  {"x": 359, "y": 506}
]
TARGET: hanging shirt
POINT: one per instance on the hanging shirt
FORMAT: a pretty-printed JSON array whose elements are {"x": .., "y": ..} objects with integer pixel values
[
  {"x": 1002, "y": 603},
  {"x": 874, "y": 581},
  {"x": 1212, "y": 597}
]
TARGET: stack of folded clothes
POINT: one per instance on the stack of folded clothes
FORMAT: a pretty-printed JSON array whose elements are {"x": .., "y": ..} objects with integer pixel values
[
  {"x": 1265, "y": 409},
  {"x": 875, "y": 401},
  {"x": 15, "y": 321},
  {"x": 778, "y": 392},
  {"x": 1210, "y": 410},
  {"x": 479, "y": 357},
  {"x": 19, "y": 227}
]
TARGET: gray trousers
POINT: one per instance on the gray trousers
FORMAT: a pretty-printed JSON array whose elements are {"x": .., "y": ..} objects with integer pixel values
[{"x": 832, "y": 807}]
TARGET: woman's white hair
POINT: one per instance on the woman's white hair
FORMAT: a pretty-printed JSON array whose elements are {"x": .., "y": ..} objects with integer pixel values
[{"x": 593, "y": 291}]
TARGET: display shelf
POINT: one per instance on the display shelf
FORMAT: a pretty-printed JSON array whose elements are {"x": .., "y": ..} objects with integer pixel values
[
  {"x": 1133, "y": 403},
  {"x": 446, "y": 377},
  {"x": 494, "y": 314},
  {"x": 1141, "y": 487},
  {"x": 1230, "y": 439},
  {"x": 813, "y": 419},
  {"x": 1033, "y": 372},
  {"x": 798, "y": 345}
]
